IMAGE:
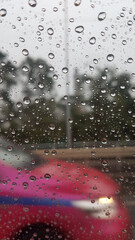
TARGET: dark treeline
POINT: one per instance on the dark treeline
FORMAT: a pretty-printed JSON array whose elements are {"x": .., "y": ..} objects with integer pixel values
[{"x": 102, "y": 106}]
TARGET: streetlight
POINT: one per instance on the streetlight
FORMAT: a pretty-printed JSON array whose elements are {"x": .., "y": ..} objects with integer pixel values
[{"x": 68, "y": 108}]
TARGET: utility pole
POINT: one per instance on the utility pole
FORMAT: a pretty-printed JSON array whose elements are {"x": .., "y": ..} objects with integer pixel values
[{"x": 68, "y": 107}]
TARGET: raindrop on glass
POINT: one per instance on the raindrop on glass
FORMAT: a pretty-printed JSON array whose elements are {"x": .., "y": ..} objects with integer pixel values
[
  {"x": 10, "y": 148},
  {"x": 47, "y": 176},
  {"x": 41, "y": 85},
  {"x": 79, "y": 29},
  {"x": 110, "y": 57},
  {"x": 25, "y": 68},
  {"x": 130, "y": 60},
  {"x": 32, "y": 178},
  {"x": 65, "y": 70},
  {"x": 32, "y": 3},
  {"x": 26, "y": 100},
  {"x": 25, "y": 52},
  {"x": 101, "y": 16},
  {"x": 92, "y": 40},
  {"x": 77, "y": 2},
  {"x": 41, "y": 28},
  {"x": 19, "y": 104},
  {"x": 3, "y": 12},
  {"x": 50, "y": 31},
  {"x": 52, "y": 127}
]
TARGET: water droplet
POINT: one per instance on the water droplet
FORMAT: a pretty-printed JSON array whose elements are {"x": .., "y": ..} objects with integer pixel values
[
  {"x": 53, "y": 152},
  {"x": 65, "y": 70},
  {"x": 130, "y": 60},
  {"x": 91, "y": 68},
  {"x": 70, "y": 120},
  {"x": 104, "y": 163},
  {"x": 10, "y": 148},
  {"x": 124, "y": 42},
  {"x": 32, "y": 178},
  {"x": 55, "y": 9},
  {"x": 37, "y": 100},
  {"x": 95, "y": 60},
  {"x": 26, "y": 140},
  {"x": 114, "y": 36},
  {"x": 71, "y": 20},
  {"x": 55, "y": 76},
  {"x": 113, "y": 94},
  {"x": 41, "y": 28},
  {"x": 3, "y": 12},
  {"x": 79, "y": 29},
  {"x": 25, "y": 184},
  {"x": 41, "y": 85},
  {"x": 92, "y": 40},
  {"x": 46, "y": 152},
  {"x": 25, "y": 52},
  {"x": 110, "y": 57},
  {"x": 47, "y": 176},
  {"x": 32, "y": 3},
  {"x": 1, "y": 79},
  {"x": 104, "y": 141},
  {"x": 26, "y": 100},
  {"x": 133, "y": 89},
  {"x": 50, "y": 31},
  {"x": 88, "y": 81},
  {"x": 51, "y": 127},
  {"x": 101, "y": 16},
  {"x": 22, "y": 39},
  {"x": 51, "y": 55},
  {"x": 77, "y": 2},
  {"x": 129, "y": 23},
  {"x": 25, "y": 68},
  {"x": 19, "y": 104}
]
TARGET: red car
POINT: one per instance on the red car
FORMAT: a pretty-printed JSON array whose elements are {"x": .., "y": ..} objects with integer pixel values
[{"x": 58, "y": 200}]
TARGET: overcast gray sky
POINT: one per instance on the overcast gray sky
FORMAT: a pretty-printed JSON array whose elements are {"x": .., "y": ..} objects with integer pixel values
[{"x": 114, "y": 35}]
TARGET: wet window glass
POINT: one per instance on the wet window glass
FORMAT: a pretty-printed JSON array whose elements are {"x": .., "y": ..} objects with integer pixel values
[{"x": 67, "y": 120}]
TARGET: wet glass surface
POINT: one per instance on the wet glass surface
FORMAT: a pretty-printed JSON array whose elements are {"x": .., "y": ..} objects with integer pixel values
[{"x": 67, "y": 119}]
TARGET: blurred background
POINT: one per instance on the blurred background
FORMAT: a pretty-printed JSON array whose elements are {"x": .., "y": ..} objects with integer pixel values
[{"x": 67, "y": 83}]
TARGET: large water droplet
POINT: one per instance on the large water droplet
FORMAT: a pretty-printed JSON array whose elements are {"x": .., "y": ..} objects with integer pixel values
[
  {"x": 110, "y": 57},
  {"x": 32, "y": 3},
  {"x": 50, "y": 31},
  {"x": 19, "y": 104},
  {"x": 51, "y": 55},
  {"x": 3, "y": 12},
  {"x": 77, "y": 2},
  {"x": 101, "y": 16},
  {"x": 79, "y": 29},
  {"x": 41, "y": 85},
  {"x": 26, "y": 100},
  {"x": 92, "y": 40},
  {"x": 65, "y": 70},
  {"x": 10, "y": 148},
  {"x": 130, "y": 60},
  {"x": 129, "y": 23},
  {"x": 25, "y": 68},
  {"x": 124, "y": 42},
  {"x": 41, "y": 28},
  {"x": 1, "y": 79},
  {"x": 25, "y": 52},
  {"x": 52, "y": 127},
  {"x": 25, "y": 184},
  {"x": 47, "y": 176},
  {"x": 32, "y": 178}
]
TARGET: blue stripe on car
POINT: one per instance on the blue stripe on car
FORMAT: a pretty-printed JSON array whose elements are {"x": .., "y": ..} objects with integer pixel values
[{"x": 33, "y": 201}]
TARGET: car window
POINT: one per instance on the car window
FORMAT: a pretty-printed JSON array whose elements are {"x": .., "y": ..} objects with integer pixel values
[{"x": 67, "y": 116}]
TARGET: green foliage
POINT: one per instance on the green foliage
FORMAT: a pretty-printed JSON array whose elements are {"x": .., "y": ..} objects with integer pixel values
[{"x": 102, "y": 106}]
